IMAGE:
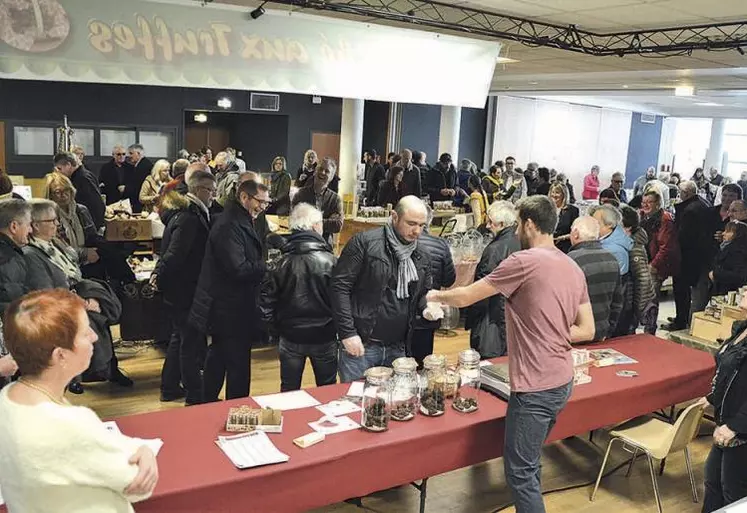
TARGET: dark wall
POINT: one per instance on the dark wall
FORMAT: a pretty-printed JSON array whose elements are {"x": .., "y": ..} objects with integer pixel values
[
  {"x": 643, "y": 148},
  {"x": 420, "y": 127},
  {"x": 150, "y": 106},
  {"x": 472, "y": 135},
  {"x": 375, "y": 126}
]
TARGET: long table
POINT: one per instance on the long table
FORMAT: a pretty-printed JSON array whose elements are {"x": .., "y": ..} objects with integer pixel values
[{"x": 195, "y": 476}]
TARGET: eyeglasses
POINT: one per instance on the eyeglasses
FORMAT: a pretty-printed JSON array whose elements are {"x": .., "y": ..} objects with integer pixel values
[
  {"x": 262, "y": 203},
  {"x": 213, "y": 191},
  {"x": 617, "y": 181},
  {"x": 53, "y": 220},
  {"x": 120, "y": 154}
]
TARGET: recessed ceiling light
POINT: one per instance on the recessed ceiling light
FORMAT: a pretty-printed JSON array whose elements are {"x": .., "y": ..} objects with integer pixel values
[
  {"x": 201, "y": 118},
  {"x": 708, "y": 104},
  {"x": 684, "y": 91},
  {"x": 625, "y": 86},
  {"x": 533, "y": 83},
  {"x": 505, "y": 60}
]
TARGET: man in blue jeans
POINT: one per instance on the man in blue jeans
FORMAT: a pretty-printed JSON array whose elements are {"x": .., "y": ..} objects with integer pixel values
[
  {"x": 295, "y": 301},
  {"x": 378, "y": 286},
  {"x": 547, "y": 308}
]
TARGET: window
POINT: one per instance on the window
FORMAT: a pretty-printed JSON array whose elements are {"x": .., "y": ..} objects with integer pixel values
[
  {"x": 735, "y": 145},
  {"x": 111, "y": 138},
  {"x": 157, "y": 144},
  {"x": 83, "y": 137},
  {"x": 30, "y": 140}
]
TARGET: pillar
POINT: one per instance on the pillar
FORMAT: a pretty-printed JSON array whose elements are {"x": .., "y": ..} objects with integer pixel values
[
  {"x": 715, "y": 152},
  {"x": 448, "y": 139},
  {"x": 351, "y": 144}
]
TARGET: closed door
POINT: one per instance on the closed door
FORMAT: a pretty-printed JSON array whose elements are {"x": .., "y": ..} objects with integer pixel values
[
  {"x": 326, "y": 145},
  {"x": 197, "y": 136}
]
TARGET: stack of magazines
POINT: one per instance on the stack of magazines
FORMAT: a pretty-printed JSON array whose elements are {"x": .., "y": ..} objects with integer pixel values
[{"x": 495, "y": 380}]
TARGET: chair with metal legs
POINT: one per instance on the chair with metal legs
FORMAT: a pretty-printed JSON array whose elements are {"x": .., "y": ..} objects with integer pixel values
[{"x": 657, "y": 440}]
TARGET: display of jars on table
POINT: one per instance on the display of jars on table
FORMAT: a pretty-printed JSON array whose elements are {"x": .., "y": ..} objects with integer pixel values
[
  {"x": 432, "y": 379},
  {"x": 468, "y": 371},
  {"x": 377, "y": 399},
  {"x": 405, "y": 389}
]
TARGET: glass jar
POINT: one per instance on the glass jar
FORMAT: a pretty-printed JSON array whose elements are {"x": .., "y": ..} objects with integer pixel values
[
  {"x": 377, "y": 399},
  {"x": 432, "y": 378},
  {"x": 468, "y": 389},
  {"x": 405, "y": 388}
]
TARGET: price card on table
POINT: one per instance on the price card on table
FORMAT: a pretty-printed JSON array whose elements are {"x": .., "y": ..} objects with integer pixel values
[{"x": 252, "y": 449}]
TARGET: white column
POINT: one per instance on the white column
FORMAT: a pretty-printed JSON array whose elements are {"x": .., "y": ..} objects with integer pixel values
[
  {"x": 714, "y": 155},
  {"x": 448, "y": 139},
  {"x": 351, "y": 144}
]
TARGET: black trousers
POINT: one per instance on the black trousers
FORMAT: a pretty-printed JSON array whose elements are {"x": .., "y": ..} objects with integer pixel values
[
  {"x": 192, "y": 349},
  {"x": 293, "y": 361},
  {"x": 682, "y": 300},
  {"x": 725, "y": 477},
  {"x": 229, "y": 358},
  {"x": 421, "y": 344},
  {"x": 171, "y": 376}
]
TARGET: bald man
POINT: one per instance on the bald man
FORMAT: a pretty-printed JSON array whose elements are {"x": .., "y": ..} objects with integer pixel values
[
  {"x": 602, "y": 274},
  {"x": 691, "y": 223},
  {"x": 377, "y": 288}
]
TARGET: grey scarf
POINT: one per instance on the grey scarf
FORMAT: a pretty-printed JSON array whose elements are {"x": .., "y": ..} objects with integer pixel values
[{"x": 406, "y": 270}]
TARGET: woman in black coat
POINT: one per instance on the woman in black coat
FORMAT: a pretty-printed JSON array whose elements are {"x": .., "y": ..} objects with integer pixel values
[
  {"x": 725, "y": 476},
  {"x": 567, "y": 213},
  {"x": 730, "y": 265},
  {"x": 390, "y": 190}
]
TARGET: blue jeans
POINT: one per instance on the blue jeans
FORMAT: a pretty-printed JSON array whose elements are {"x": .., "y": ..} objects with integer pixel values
[
  {"x": 293, "y": 361},
  {"x": 352, "y": 368},
  {"x": 531, "y": 416}
]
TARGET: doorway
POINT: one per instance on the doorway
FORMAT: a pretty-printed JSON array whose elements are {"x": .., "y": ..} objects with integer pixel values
[
  {"x": 326, "y": 145},
  {"x": 197, "y": 136}
]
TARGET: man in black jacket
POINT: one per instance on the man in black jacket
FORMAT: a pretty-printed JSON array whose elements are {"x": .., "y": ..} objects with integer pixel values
[
  {"x": 295, "y": 301},
  {"x": 15, "y": 228},
  {"x": 444, "y": 276},
  {"x": 441, "y": 184},
  {"x": 378, "y": 286},
  {"x": 691, "y": 223},
  {"x": 187, "y": 221},
  {"x": 141, "y": 167},
  {"x": 486, "y": 319},
  {"x": 114, "y": 174},
  {"x": 374, "y": 175},
  {"x": 411, "y": 182},
  {"x": 225, "y": 303},
  {"x": 85, "y": 184},
  {"x": 317, "y": 193}
]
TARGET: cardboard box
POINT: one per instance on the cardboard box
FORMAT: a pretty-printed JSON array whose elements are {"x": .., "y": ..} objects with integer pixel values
[{"x": 126, "y": 230}]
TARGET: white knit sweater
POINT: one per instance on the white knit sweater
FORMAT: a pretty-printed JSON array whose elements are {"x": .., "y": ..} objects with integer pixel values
[{"x": 62, "y": 459}]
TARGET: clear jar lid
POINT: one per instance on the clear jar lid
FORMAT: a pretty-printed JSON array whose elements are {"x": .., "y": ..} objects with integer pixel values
[
  {"x": 404, "y": 365},
  {"x": 434, "y": 361},
  {"x": 378, "y": 375},
  {"x": 469, "y": 357}
]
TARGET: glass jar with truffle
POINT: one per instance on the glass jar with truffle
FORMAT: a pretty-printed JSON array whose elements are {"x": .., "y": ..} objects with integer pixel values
[
  {"x": 405, "y": 388},
  {"x": 377, "y": 399},
  {"x": 432, "y": 379},
  {"x": 466, "y": 398}
]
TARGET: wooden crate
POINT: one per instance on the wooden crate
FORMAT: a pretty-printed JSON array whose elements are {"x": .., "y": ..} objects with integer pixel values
[
  {"x": 708, "y": 328},
  {"x": 125, "y": 230}
]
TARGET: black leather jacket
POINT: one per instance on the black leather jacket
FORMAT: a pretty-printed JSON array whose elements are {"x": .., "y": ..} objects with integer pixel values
[
  {"x": 295, "y": 293},
  {"x": 729, "y": 390},
  {"x": 442, "y": 268},
  {"x": 359, "y": 283}
]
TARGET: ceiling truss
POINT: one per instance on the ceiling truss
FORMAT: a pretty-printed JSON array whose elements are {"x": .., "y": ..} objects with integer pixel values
[{"x": 441, "y": 15}]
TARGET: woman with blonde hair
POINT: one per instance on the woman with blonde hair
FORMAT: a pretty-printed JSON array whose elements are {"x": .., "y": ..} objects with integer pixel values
[
  {"x": 567, "y": 213},
  {"x": 76, "y": 226},
  {"x": 151, "y": 188},
  {"x": 56, "y": 456}
]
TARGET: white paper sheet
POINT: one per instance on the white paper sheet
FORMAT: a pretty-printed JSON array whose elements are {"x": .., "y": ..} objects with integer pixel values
[
  {"x": 338, "y": 408},
  {"x": 249, "y": 450},
  {"x": 331, "y": 425},
  {"x": 356, "y": 389},
  {"x": 287, "y": 401}
]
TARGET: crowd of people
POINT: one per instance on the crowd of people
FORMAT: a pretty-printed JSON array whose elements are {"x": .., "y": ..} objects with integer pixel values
[{"x": 368, "y": 306}]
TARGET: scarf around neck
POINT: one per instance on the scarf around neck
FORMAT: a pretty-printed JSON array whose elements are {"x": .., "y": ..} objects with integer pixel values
[
  {"x": 59, "y": 257},
  {"x": 72, "y": 228},
  {"x": 406, "y": 270}
]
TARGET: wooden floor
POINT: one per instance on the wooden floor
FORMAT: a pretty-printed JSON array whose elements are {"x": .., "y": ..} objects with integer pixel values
[{"x": 477, "y": 489}]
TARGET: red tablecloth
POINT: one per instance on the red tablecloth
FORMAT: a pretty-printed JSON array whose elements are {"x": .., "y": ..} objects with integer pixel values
[{"x": 197, "y": 477}]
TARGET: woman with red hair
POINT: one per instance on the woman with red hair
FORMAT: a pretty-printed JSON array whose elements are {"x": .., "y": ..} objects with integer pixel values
[{"x": 55, "y": 456}]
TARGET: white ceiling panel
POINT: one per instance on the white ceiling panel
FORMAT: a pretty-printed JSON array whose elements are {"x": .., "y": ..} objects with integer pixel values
[
  {"x": 582, "y": 5},
  {"x": 515, "y": 7},
  {"x": 717, "y": 10}
]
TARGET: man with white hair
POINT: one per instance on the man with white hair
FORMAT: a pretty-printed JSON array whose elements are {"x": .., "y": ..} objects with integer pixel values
[
  {"x": 612, "y": 235},
  {"x": 602, "y": 275},
  {"x": 640, "y": 183},
  {"x": 295, "y": 301},
  {"x": 486, "y": 319},
  {"x": 113, "y": 175},
  {"x": 378, "y": 286},
  {"x": 141, "y": 166}
]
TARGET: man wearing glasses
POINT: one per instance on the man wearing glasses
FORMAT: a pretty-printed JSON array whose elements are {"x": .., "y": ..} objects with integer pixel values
[
  {"x": 318, "y": 194},
  {"x": 616, "y": 189},
  {"x": 113, "y": 175},
  {"x": 187, "y": 220},
  {"x": 225, "y": 303}
]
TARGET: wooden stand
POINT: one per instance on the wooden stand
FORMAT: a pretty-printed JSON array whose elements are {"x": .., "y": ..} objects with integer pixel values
[{"x": 709, "y": 328}]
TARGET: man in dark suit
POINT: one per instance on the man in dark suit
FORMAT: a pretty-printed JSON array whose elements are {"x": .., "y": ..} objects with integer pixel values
[
  {"x": 85, "y": 184},
  {"x": 225, "y": 302},
  {"x": 141, "y": 167},
  {"x": 112, "y": 175}
]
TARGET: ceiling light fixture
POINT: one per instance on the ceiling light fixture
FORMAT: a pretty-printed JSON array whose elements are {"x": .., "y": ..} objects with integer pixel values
[
  {"x": 201, "y": 118},
  {"x": 684, "y": 90},
  {"x": 708, "y": 104},
  {"x": 225, "y": 103},
  {"x": 625, "y": 86},
  {"x": 259, "y": 11}
]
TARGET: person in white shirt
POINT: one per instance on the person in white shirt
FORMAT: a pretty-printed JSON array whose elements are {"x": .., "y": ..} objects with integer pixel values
[{"x": 55, "y": 456}]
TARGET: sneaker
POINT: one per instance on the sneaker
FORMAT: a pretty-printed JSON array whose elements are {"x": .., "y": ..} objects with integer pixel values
[{"x": 119, "y": 378}]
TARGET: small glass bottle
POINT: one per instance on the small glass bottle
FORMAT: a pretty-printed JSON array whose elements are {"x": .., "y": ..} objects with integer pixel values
[
  {"x": 377, "y": 399},
  {"x": 405, "y": 388},
  {"x": 466, "y": 399},
  {"x": 432, "y": 379}
]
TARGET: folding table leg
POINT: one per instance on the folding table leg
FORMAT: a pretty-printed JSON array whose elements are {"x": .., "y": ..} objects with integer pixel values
[{"x": 423, "y": 488}]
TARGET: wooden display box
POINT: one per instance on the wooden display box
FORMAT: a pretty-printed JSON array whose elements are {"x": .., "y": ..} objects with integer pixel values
[
  {"x": 710, "y": 328},
  {"x": 126, "y": 230},
  {"x": 245, "y": 418}
]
